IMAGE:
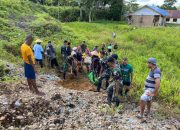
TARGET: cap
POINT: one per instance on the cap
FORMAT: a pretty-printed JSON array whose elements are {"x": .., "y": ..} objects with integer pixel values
[
  {"x": 152, "y": 60},
  {"x": 111, "y": 59},
  {"x": 38, "y": 40},
  {"x": 115, "y": 56}
]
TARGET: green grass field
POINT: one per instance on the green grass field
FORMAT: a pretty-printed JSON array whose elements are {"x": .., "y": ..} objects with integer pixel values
[{"x": 138, "y": 44}]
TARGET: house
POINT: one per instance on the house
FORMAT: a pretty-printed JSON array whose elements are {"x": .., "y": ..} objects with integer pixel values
[
  {"x": 148, "y": 16},
  {"x": 174, "y": 16}
]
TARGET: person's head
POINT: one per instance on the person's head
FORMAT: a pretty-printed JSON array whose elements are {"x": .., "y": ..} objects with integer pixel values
[
  {"x": 111, "y": 62},
  {"x": 75, "y": 49},
  {"x": 69, "y": 44},
  {"x": 65, "y": 42},
  {"x": 29, "y": 39},
  {"x": 102, "y": 54},
  {"x": 125, "y": 61},
  {"x": 79, "y": 48},
  {"x": 115, "y": 56},
  {"x": 152, "y": 63}
]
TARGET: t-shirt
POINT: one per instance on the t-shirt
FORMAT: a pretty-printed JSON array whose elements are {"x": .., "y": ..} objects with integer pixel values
[
  {"x": 79, "y": 56},
  {"x": 51, "y": 52},
  {"x": 68, "y": 50},
  {"x": 38, "y": 51},
  {"x": 150, "y": 80},
  {"x": 27, "y": 51},
  {"x": 126, "y": 71},
  {"x": 63, "y": 50}
]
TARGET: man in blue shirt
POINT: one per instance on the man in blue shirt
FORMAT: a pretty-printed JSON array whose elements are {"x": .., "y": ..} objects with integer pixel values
[{"x": 38, "y": 52}]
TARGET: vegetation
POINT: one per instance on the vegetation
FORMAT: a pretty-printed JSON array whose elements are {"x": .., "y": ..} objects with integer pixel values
[{"x": 17, "y": 18}]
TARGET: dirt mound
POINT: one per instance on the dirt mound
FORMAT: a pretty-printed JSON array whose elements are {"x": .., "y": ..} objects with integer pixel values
[{"x": 79, "y": 83}]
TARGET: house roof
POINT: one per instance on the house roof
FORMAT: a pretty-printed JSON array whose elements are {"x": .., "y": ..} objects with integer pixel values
[
  {"x": 174, "y": 13},
  {"x": 158, "y": 10}
]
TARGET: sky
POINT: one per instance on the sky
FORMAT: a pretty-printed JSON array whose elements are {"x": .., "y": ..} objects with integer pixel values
[{"x": 155, "y": 2}]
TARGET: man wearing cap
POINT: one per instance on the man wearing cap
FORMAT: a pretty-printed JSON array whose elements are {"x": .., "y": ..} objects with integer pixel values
[
  {"x": 113, "y": 88},
  {"x": 29, "y": 64},
  {"x": 38, "y": 52},
  {"x": 152, "y": 85}
]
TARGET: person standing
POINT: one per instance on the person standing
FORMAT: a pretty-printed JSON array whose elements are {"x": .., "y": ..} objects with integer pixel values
[
  {"x": 83, "y": 47},
  {"x": 63, "y": 51},
  {"x": 152, "y": 85},
  {"x": 29, "y": 64},
  {"x": 110, "y": 49},
  {"x": 38, "y": 52},
  {"x": 113, "y": 88},
  {"x": 51, "y": 54},
  {"x": 105, "y": 72},
  {"x": 127, "y": 72}
]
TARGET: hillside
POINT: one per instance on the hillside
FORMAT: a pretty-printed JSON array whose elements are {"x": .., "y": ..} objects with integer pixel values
[{"x": 18, "y": 18}]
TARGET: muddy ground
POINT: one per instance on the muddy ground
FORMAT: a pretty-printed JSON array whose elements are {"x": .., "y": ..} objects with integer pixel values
[{"x": 70, "y": 105}]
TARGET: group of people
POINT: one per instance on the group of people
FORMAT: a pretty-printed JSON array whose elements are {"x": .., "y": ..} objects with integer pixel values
[{"x": 101, "y": 64}]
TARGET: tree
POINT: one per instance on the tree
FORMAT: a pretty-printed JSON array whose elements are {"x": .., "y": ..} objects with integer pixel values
[
  {"x": 169, "y": 5},
  {"x": 131, "y": 6},
  {"x": 116, "y": 9}
]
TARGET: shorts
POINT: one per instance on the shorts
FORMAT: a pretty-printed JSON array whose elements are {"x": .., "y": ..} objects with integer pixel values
[
  {"x": 109, "y": 50},
  {"x": 29, "y": 71},
  {"x": 127, "y": 84},
  {"x": 145, "y": 97}
]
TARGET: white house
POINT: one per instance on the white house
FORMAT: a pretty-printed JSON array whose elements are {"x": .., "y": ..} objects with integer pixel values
[
  {"x": 174, "y": 16},
  {"x": 148, "y": 16}
]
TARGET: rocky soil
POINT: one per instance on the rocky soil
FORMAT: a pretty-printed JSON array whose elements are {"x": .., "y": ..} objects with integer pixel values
[{"x": 70, "y": 109}]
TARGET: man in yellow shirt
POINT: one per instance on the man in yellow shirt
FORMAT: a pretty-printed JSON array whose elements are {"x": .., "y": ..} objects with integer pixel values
[{"x": 29, "y": 64}]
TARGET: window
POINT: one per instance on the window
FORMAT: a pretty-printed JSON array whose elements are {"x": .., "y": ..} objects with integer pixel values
[
  {"x": 174, "y": 20},
  {"x": 167, "y": 19}
]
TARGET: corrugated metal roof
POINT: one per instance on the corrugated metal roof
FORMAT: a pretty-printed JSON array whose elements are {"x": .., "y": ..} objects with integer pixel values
[
  {"x": 159, "y": 10},
  {"x": 174, "y": 13}
]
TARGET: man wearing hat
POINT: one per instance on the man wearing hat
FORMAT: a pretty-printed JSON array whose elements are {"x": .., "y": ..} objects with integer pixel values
[
  {"x": 38, "y": 52},
  {"x": 113, "y": 88},
  {"x": 152, "y": 85}
]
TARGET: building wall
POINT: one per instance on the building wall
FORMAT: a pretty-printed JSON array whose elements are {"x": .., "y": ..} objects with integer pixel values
[
  {"x": 142, "y": 20},
  {"x": 171, "y": 21},
  {"x": 145, "y": 17}
]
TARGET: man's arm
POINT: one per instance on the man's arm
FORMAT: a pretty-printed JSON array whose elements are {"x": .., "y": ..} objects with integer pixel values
[
  {"x": 31, "y": 62},
  {"x": 157, "y": 85}
]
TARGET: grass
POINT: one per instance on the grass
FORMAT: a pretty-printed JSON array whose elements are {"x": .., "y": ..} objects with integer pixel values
[{"x": 138, "y": 44}]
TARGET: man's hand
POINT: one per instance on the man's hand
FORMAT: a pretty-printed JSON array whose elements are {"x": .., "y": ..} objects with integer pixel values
[{"x": 35, "y": 70}]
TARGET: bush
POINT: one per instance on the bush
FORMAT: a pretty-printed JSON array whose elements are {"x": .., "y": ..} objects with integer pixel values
[
  {"x": 11, "y": 48},
  {"x": 45, "y": 29},
  {"x": 64, "y": 14},
  {"x": 2, "y": 72}
]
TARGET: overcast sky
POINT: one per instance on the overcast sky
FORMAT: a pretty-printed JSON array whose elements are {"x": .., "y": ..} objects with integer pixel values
[{"x": 155, "y": 2}]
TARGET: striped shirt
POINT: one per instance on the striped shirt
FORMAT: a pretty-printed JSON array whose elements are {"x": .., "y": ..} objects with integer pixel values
[{"x": 150, "y": 80}]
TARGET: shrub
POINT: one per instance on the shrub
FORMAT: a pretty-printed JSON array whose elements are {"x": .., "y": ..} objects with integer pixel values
[{"x": 64, "y": 14}]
